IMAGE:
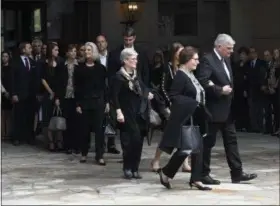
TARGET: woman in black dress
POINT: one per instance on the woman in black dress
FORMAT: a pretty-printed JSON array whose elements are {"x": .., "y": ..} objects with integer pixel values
[
  {"x": 188, "y": 100},
  {"x": 6, "y": 104},
  {"x": 166, "y": 82},
  {"x": 65, "y": 97},
  {"x": 130, "y": 98},
  {"x": 91, "y": 102},
  {"x": 49, "y": 83}
]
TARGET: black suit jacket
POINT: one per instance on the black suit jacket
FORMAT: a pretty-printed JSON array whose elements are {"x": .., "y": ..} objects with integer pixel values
[
  {"x": 61, "y": 80},
  {"x": 256, "y": 79},
  {"x": 114, "y": 64},
  {"x": 24, "y": 83},
  {"x": 211, "y": 69}
]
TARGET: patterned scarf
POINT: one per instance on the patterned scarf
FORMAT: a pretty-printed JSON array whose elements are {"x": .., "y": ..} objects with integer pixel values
[{"x": 133, "y": 82}]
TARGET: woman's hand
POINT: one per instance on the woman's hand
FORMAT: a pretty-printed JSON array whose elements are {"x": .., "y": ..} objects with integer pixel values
[
  {"x": 150, "y": 96},
  {"x": 57, "y": 102},
  {"x": 79, "y": 110},
  {"x": 120, "y": 117}
]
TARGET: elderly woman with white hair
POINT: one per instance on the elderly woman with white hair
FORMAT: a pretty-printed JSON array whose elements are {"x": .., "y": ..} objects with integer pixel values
[
  {"x": 130, "y": 98},
  {"x": 91, "y": 96}
]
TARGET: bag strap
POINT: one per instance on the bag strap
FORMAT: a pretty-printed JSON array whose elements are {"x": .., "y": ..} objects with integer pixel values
[
  {"x": 57, "y": 110},
  {"x": 191, "y": 120}
]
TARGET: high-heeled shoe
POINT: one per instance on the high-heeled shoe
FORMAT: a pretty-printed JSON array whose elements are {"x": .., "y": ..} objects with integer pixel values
[
  {"x": 200, "y": 187},
  {"x": 165, "y": 184}
]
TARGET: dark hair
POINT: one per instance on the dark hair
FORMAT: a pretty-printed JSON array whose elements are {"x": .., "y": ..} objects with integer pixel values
[
  {"x": 243, "y": 50},
  {"x": 129, "y": 31},
  {"x": 174, "y": 48},
  {"x": 187, "y": 54},
  {"x": 158, "y": 53},
  {"x": 6, "y": 52},
  {"x": 71, "y": 47},
  {"x": 50, "y": 47},
  {"x": 22, "y": 46}
]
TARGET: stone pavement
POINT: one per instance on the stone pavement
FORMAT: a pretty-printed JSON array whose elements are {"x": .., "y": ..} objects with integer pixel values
[{"x": 33, "y": 176}]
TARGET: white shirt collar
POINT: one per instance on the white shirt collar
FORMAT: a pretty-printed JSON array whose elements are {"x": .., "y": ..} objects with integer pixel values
[
  {"x": 105, "y": 55},
  {"x": 129, "y": 47},
  {"x": 75, "y": 62},
  {"x": 218, "y": 55}
]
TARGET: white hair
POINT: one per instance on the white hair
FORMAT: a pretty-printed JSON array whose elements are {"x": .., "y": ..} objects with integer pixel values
[
  {"x": 95, "y": 53},
  {"x": 126, "y": 53},
  {"x": 224, "y": 39}
]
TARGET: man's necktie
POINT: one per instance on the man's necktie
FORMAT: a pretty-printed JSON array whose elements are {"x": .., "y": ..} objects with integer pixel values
[
  {"x": 225, "y": 68},
  {"x": 26, "y": 64}
]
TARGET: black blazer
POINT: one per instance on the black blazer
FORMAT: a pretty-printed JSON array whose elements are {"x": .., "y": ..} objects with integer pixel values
[
  {"x": 61, "y": 80},
  {"x": 90, "y": 86},
  {"x": 114, "y": 64},
  {"x": 211, "y": 69},
  {"x": 257, "y": 78},
  {"x": 183, "y": 96},
  {"x": 24, "y": 83}
]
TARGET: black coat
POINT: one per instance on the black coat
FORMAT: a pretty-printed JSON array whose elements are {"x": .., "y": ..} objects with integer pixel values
[
  {"x": 211, "y": 69},
  {"x": 183, "y": 96},
  {"x": 135, "y": 108}
]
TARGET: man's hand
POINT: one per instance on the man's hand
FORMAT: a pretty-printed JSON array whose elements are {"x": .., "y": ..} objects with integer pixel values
[
  {"x": 14, "y": 98},
  {"x": 79, "y": 110},
  {"x": 226, "y": 90},
  {"x": 107, "y": 108}
]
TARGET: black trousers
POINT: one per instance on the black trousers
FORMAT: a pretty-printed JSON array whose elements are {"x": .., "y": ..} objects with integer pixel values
[
  {"x": 230, "y": 144},
  {"x": 132, "y": 144},
  {"x": 70, "y": 135},
  {"x": 23, "y": 119},
  {"x": 92, "y": 121},
  {"x": 177, "y": 160}
]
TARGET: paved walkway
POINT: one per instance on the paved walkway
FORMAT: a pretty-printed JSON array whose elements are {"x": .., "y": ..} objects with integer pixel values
[{"x": 33, "y": 176}]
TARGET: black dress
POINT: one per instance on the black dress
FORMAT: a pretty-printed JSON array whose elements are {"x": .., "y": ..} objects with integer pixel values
[
  {"x": 6, "y": 77},
  {"x": 135, "y": 110},
  {"x": 49, "y": 75}
]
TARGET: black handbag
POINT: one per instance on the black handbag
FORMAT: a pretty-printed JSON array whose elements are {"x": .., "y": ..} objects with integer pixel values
[
  {"x": 191, "y": 138},
  {"x": 109, "y": 129}
]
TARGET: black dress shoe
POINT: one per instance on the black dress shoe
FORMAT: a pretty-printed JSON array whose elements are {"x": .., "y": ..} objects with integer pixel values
[
  {"x": 127, "y": 174},
  {"x": 113, "y": 150},
  {"x": 136, "y": 175},
  {"x": 16, "y": 143},
  {"x": 101, "y": 162},
  {"x": 208, "y": 180},
  {"x": 243, "y": 177}
]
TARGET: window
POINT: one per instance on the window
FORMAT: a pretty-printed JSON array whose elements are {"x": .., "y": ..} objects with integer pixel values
[
  {"x": 37, "y": 27},
  {"x": 181, "y": 16}
]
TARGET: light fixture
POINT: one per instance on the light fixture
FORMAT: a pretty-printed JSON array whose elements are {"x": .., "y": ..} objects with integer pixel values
[{"x": 131, "y": 11}]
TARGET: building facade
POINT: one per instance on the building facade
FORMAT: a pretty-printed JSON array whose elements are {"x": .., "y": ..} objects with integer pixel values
[{"x": 192, "y": 22}]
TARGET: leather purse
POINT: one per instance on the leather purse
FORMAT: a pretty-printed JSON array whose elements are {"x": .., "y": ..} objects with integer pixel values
[{"x": 191, "y": 138}]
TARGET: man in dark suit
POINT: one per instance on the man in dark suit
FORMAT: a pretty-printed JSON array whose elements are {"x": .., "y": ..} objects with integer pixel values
[
  {"x": 256, "y": 96},
  {"x": 102, "y": 46},
  {"x": 25, "y": 83},
  {"x": 114, "y": 62},
  {"x": 215, "y": 75}
]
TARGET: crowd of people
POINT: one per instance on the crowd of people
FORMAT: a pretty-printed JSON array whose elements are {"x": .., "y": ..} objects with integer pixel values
[{"x": 92, "y": 85}]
